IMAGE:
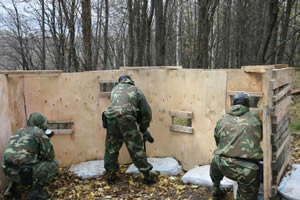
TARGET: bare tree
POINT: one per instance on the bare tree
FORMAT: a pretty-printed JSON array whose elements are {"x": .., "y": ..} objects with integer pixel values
[{"x": 87, "y": 34}]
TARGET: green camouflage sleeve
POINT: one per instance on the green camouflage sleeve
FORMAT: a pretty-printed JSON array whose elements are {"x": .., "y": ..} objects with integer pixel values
[
  {"x": 144, "y": 108},
  {"x": 46, "y": 151}
]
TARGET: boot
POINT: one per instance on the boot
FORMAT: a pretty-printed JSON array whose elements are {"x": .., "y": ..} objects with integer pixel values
[
  {"x": 112, "y": 179},
  {"x": 10, "y": 191},
  {"x": 35, "y": 193},
  {"x": 219, "y": 194},
  {"x": 149, "y": 179}
]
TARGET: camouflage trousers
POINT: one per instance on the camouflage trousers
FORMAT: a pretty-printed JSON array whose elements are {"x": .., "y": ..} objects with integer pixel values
[
  {"x": 119, "y": 130},
  {"x": 43, "y": 172},
  {"x": 243, "y": 172}
]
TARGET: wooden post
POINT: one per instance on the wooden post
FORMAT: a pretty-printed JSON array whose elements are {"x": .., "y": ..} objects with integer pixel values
[{"x": 267, "y": 90}]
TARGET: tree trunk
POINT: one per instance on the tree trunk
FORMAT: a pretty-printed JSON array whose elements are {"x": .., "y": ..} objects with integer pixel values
[
  {"x": 106, "y": 47},
  {"x": 130, "y": 34},
  {"x": 87, "y": 34},
  {"x": 284, "y": 29},
  {"x": 159, "y": 33}
]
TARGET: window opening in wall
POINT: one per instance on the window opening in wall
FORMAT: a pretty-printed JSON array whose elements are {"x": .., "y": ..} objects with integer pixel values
[
  {"x": 106, "y": 87},
  {"x": 61, "y": 127},
  {"x": 181, "y": 121}
]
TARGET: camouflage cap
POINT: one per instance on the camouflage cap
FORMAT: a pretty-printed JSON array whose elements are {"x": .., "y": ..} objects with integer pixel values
[{"x": 37, "y": 119}]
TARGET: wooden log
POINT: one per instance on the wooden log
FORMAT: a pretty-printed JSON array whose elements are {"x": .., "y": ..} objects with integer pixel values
[
  {"x": 282, "y": 76},
  {"x": 281, "y": 109},
  {"x": 282, "y": 93},
  {"x": 182, "y": 129}
]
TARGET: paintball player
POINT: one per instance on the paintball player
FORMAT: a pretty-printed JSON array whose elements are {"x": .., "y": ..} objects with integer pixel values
[
  {"x": 30, "y": 159},
  {"x": 237, "y": 134},
  {"x": 120, "y": 119}
]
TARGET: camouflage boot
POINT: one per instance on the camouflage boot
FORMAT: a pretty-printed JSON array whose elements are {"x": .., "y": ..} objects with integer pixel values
[
  {"x": 35, "y": 193},
  {"x": 149, "y": 178}
]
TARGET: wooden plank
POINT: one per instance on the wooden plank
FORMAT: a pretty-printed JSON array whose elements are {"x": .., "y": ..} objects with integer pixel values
[
  {"x": 180, "y": 114},
  {"x": 281, "y": 110},
  {"x": 277, "y": 126},
  {"x": 267, "y": 130},
  {"x": 283, "y": 168},
  {"x": 40, "y": 73},
  {"x": 62, "y": 131},
  {"x": 256, "y": 111},
  {"x": 284, "y": 145},
  {"x": 60, "y": 122},
  {"x": 282, "y": 76},
  {"x": 282, "y": 93},
  {"x": 276, "y": 145},
  {"x": 152, "y": 67},
  {"x": 280, "y": 66},
  {"x": 277, "y": 135},
  {"x": 254, "y": 94},
  {"x": 277, "y": 164},
  {"x": 257, "y": 68},
  {"x": 183, "y": 129},
  {"x": 108, "y": 81},
  {"x": 105, "y": 94},
  {"x": 22, "y": 72}
]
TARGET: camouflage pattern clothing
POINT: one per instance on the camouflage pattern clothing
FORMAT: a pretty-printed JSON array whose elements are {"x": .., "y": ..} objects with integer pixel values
[
  {"x": 31, "y": 146},
  {"x": 238, "y": 135},
  {"x": 126, "y": 100}
]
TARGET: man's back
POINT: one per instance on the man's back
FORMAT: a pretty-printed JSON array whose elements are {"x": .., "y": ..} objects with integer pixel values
[
  {"x": 238, "y": 134},
  {"x": 23, "y": 146}
]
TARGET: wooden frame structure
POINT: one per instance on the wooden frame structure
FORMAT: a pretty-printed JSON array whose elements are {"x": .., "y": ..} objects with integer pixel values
[
  {"x": 201, "y": 96},
  {"x": 276, "y": 84}
]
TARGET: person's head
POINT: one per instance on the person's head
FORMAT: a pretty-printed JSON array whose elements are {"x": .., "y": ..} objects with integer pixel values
[
  {"x": 241, "y": 98},
  {"x": 124, "y": 76},
  {"x": 38, "y": 120}
]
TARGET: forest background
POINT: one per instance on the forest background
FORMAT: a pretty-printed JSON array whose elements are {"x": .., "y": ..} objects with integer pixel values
[{"x": 85, "y": 35}]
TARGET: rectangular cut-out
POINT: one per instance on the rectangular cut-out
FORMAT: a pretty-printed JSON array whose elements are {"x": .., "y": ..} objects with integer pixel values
[
  {"x": 181, "y": 121},
  {"x": 106, "y": 87},
  {"x": 61, "y": 127}
]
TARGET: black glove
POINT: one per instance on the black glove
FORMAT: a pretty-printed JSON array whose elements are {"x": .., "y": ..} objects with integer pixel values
[
  {"x": 104, "y": 120},
  {"x": 147, "y": 137}
]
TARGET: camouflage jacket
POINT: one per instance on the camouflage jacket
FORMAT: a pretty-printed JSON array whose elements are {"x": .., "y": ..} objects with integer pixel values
[
  {"x": 126, "y": 99},
  {"x": 238, "y": 134},
  {"x": 28, "y": 145}
]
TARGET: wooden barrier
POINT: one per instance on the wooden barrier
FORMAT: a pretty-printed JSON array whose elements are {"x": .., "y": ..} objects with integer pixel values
[{"x": 276, "y": 84}]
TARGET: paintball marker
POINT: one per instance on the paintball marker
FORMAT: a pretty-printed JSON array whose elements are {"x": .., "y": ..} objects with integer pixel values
[
  {"x": 49, "y": 133},
  {"x": 146, "y": 134},
  {"x": 147, "y": 137}
]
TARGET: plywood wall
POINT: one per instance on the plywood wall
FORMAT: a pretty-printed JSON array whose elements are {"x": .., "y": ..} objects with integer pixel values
[
  {"x": 5, "y": 123},
  {"x": 76, "y": 97}
]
